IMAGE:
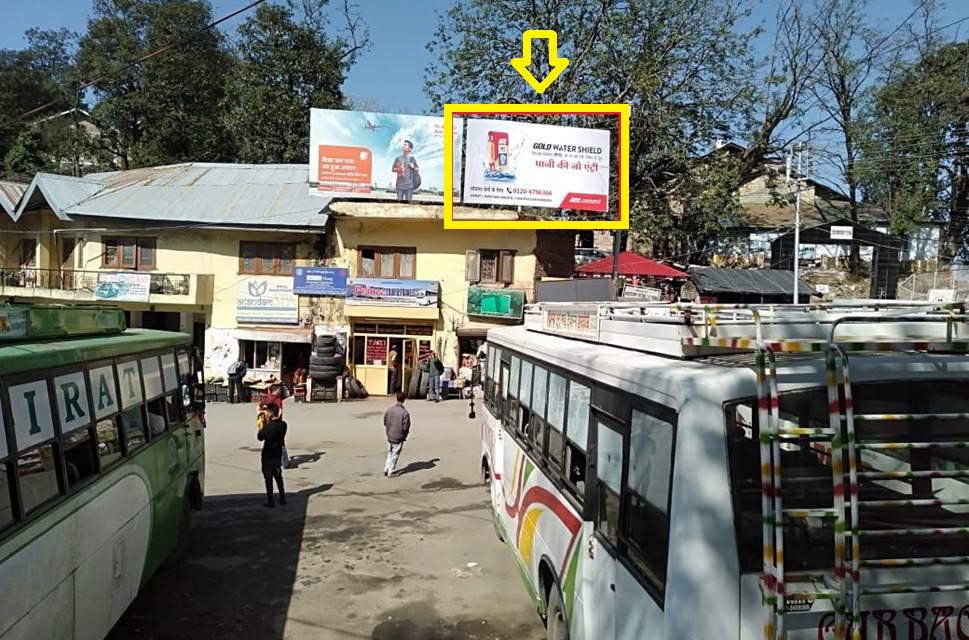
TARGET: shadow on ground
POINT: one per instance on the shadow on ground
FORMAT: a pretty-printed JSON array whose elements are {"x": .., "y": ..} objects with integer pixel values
[
  {"x": 423, "y": 465},
  {"x": 236, "y": 577}
]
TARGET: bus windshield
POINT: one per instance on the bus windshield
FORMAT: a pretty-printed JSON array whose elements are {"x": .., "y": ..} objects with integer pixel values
[{"x": 807, "y": 481}]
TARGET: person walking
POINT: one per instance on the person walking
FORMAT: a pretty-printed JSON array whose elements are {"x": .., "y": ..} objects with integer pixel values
[
  {"x": 236, "y": 372},
  {"x": 434, "y": 369},
  {"x": 397, "y": 427},
  {"x": 273, "y": 437}
]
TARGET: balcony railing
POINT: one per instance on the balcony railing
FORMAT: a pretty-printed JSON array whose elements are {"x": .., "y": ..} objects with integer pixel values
[{"x": 168, "y": 284}]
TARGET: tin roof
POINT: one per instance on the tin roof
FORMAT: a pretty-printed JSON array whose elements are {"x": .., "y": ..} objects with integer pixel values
[
  {"x": 10, "y": 193},
  {"x": 199, "y": 193},
  {"x": 758, "y": 281}
]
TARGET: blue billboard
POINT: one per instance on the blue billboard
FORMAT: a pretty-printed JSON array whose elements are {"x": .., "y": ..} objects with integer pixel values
[{"x": 320, "y": 281}]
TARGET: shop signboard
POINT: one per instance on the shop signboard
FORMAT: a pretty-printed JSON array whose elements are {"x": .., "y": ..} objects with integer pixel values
[
  {"x": 13, "y": 323},
  {"x": 393, "y": 293},
  {"x": 361, "y": 154},
  {"x": 536, "y": 165},
  {"x": 636, "y": 292},
  {"x": 577, "y": 322},
  {"x": 496, "y": 303},
  {"x": 266, "y": 300},
  {"x": 320, "y": 281},
  {"x": 123, "y": 286}
]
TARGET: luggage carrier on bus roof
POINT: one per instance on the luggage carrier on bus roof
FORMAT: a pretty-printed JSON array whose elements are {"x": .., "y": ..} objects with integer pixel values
[{"x": 694, "y": 330}]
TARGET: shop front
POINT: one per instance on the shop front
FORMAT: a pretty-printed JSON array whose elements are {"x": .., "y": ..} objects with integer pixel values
[
  {"x": 487, "y": 308},
  {"x": 392, "y": 329}
]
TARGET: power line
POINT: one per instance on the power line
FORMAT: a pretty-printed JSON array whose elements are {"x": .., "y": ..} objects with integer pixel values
[{"x": 147, "y": 56}]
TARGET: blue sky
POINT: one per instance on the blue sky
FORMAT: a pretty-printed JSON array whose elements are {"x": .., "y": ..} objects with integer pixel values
[{"x": 384, "y": 76}]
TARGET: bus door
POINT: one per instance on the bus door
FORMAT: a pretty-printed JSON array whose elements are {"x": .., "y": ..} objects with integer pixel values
[{"x": 599, "y": 577}]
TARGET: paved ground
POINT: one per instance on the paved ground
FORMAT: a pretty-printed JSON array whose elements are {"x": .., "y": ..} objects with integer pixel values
[{"x": 353, "y": 554}]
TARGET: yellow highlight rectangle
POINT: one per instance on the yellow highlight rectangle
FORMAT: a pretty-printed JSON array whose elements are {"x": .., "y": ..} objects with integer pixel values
[{"x": 458, "y": 110}]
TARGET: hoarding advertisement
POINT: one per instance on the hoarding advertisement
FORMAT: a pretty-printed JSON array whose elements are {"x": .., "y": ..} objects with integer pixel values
[
  {"x": 123, "y": 286},
  {"x": 496, "y": 303},
  {"x": 320, "y": 281},
  {"x": 536, "y": 165},
  {"x": 378, "y": 155},
  {"x": 266, "y": 300},
  {"x": 393, "y": 293}
]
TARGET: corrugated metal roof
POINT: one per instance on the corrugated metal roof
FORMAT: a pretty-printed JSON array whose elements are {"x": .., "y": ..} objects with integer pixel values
[
  {"x": 10, "y": 193},
  {"x": 226, "y": 194},
  {"x": 56, "y": 192},
  {"x": 759, "y": 281}
]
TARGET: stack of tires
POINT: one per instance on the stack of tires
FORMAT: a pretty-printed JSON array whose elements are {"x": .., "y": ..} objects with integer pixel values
[
  {"x": 326, "y": 362},
  {"x": 420, "y": 380}
]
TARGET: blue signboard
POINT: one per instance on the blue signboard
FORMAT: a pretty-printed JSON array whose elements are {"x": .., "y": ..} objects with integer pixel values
[{"x": 320, "y": 281}]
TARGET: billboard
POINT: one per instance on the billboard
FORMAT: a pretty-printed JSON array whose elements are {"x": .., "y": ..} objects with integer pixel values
[
  {"x": 496, "y": 303},
  {"x": 267, "y": 300},
  {"x": 378, "y": 155},
  {"x": 320, "y": 281},
  {"x": 123, "y": 286},
  {"x": 536, "y": 165},
  {"x": 393, "y": 293}
]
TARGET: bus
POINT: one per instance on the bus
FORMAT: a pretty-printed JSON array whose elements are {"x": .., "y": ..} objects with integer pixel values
[
  {"x": 101, "y": 462},
  {"x": 687, "y": 472}
]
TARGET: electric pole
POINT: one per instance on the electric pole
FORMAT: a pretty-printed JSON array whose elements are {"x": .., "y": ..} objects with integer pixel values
[{"x": 799, "y": 177}]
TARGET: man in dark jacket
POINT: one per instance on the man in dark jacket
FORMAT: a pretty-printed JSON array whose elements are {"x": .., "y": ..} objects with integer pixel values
[
  {"x": 273, "y": 437},
  {"x": 397, "y": 426},
  {"x": 237, "y": 371}
]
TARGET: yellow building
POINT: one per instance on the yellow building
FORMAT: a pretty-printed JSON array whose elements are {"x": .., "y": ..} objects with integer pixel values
[{"x": 214, "y": 250}]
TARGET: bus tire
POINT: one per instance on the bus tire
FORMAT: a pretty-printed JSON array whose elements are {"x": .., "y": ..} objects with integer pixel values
[
  {"x": 181, "y": 540},
  {"x": 556, "y": 624}
]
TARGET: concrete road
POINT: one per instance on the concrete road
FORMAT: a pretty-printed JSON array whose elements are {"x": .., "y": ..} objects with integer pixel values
[{"x": 353, "y": 554}]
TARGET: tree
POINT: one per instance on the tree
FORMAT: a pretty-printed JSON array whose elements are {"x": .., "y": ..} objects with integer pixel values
[
  {"x": 286, "y": 66},
  {"x": 168, "y": 108},
  {"x": 26, "y": 156},
  {"x": 915, "y": 161},
  {"x": 686, "y": 69}
]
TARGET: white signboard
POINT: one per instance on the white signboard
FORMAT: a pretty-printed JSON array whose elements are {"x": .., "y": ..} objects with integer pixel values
[
  {"x": 842, "y": 233},
  {"x": 123, "y": 286},
  {"x": 536, "y": 165},
  {"x": 266, "y": 300},
  {"x": 633, "y": 292},
  {"x": 130, "y": 384},
  {"x": 104, "y": 391},
  {"x": 72, "y": 404},
  {"x": 30, "y": 409},
  {"x": 942, "y": 295},
  {"x": 577, "y": 323},
  {"x": 151, "y": 373},
  {"x": 822, "y": 288}
]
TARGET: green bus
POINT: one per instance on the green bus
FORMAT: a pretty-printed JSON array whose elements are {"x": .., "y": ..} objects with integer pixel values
[{"x": 101, "y": 462}]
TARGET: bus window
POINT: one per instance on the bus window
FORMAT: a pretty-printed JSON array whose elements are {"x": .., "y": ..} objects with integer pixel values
[
  {"x": 156, "y": 416},
  {"x": 539, "y": 396},
  {"x": 38, "y": 477},
  {"x": 525, "y": 401},
  {"x": 6, "y": 503},
  {"x": 109, "y": 442},
  {"x": 513, "y": 403},
  {"x": 133, "y": 427},
  {"x": 609, "y": 484},
  {"x": 556, "y": 418},
  {"x": 576, "y": 436},
  {"x": 174, "y": 409},
  {"x": 648, "y": 484},
  {"x": 80, "y": 459}
]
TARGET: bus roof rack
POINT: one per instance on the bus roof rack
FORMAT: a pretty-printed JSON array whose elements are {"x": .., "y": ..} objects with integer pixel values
[
  {"x": 685, "y": 330},
  {"x": 44, "y": 322}
]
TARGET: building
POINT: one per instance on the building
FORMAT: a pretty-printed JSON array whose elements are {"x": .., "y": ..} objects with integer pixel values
[{"x": 214, "y": 250}]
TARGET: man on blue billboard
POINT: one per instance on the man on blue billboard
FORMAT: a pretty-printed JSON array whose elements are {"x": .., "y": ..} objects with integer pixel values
[{"x": 408, "y": 173}]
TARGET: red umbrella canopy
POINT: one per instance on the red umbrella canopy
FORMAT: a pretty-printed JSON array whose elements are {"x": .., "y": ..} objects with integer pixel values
[{"x": 633, "y": 264}]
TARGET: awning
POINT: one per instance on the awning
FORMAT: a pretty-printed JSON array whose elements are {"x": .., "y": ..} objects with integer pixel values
[
  {"x": 479, "y": 329},
  {"x": 632, "y": 264},
  {"x": 386, "y": 312},
  {"x": 275, "y": 334},
  {"x": 765, "y": 282}
]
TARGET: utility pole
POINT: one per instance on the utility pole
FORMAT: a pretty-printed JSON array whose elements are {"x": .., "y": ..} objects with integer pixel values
[{"x": 799, "y": 177}]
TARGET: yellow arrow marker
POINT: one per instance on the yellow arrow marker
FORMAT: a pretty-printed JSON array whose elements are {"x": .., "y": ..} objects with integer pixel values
[{"x": 522, "y": 64}]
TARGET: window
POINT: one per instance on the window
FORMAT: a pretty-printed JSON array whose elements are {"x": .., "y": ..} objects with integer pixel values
[
  {"x": 258, "y": 354},
  {"x": 28, "y": 253},
  {"x": 387, "y": 262},
  {"x": 129, "y": 253},
  {"x": 156, "y": 416},
  {"x": 109, "y": 442},
  {"x": 174, "y": 409},
  {"x": 556, "y": 418},
  {"x": 525, "y": 400},
  {"x": 6, "y": 502},
  {"x": 133, "y": 426},
  {"x": 539, "y": 391},
  {"x": 609, "y": 484},
  {"x": 266, "y": 258},
  {"x": 38, "y": 477},
  {"x": 648, "y": 484},
  {"x": 576, "y": 437},
  {"x": 80, "y": 457},
  {"x": 513, "y": 403},
  {"x": 490, "y": 265}
]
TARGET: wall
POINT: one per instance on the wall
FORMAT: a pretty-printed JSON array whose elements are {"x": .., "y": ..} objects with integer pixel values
[{"x": 554, "y": 254}]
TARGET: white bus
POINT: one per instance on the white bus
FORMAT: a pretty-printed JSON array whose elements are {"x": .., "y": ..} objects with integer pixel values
[
  {"x": 634, "y": 455},
  {"x": 101, "y": 461}
]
